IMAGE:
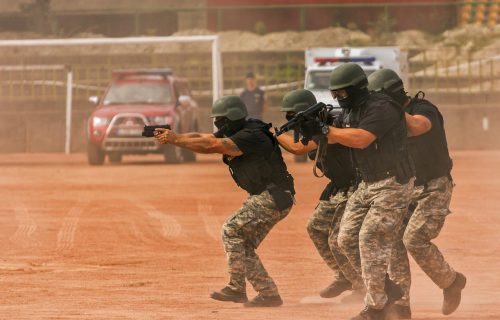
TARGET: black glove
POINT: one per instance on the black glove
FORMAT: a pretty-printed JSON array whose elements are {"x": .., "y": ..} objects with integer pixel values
[{"x": 310, "y": 129}]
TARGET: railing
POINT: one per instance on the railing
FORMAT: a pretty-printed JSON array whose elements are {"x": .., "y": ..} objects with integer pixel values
[{"x": 277, "y": 72}]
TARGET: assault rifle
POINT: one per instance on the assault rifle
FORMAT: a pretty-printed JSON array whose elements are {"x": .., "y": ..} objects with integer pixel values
[
  {"x": 318, "y": 112},
  {"x": 149, "y": 131}
]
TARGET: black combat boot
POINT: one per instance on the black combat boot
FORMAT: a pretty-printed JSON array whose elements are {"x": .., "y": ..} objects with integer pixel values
[
  {"x": 264, "y": 301},
  {"x": 453, "y": 294},
  {"x": 335, "y": 288},
  {"x": 392, "y": 290},
  {"x": 370, "y": 314},
  {"x": 397, "y": 312},
  {"x": 228, "y": 294}
]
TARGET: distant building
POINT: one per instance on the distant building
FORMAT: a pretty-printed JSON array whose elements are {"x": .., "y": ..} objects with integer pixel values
[
  {"x": 164, "y": 17},
  {"x": 277, "y": 15}
]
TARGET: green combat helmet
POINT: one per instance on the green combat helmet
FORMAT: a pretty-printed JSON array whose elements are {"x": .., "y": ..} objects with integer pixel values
[
  {"x": 231, "y": 107},
  {"x": 385, "y": 80},
  {"x": 347, "y": 75},
  {"x": 297, "y": 101}
]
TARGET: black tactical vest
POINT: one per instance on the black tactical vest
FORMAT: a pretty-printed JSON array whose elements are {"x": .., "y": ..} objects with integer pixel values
[
  {"x": 386, "y": 157},
  {"x": 429, "y": 150},
  {"x": 338, "y": 166},
  {"x": 257, "y": 173}
]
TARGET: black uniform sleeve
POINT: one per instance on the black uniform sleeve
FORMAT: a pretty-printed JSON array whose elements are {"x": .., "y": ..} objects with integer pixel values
[
  {"x": 426, "y": 110},
  {"x": 379, "y": 118},
  {"x": 252, "y": 141}
]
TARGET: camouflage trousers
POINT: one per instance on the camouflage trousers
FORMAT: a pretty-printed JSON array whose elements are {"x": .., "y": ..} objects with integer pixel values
[
  {"x": 242, "y": 233},
  {"x": 367, "y": 234},
  {"x": 323, "y": 228},
  {"x": 431, "y": 206}
]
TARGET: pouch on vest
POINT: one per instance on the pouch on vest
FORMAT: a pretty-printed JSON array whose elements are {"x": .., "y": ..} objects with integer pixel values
[
  {"x": 327, "y": 192},
  {"x": 283, "y": 199}
]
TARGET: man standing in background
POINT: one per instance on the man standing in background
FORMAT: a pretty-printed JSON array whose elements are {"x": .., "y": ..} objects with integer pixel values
[{"x": 253, "y": 97}]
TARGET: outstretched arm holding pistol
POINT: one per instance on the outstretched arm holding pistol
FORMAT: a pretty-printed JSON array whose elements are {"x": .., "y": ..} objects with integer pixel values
[{"x": 198, "y": 142}]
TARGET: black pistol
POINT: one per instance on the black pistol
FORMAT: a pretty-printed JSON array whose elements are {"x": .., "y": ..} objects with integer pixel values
[{"x": 149, "y": 131}]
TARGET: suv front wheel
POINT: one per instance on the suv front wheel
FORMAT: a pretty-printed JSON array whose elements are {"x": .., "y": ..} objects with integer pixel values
[
  {"x": 115, "y": 157},
  {"x": 95, "y": 155}
]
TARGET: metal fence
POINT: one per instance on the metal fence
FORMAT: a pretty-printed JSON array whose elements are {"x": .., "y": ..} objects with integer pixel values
[{"x": 277, "y": 72}]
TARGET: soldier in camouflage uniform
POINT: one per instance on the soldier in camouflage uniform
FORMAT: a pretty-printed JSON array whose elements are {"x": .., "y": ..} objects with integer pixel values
[
  {"x": 323, "y": 226},
  {"x": 373, "y": 126},
  {"x": 430, "y": 201},
  {"x": 255, "y": 162}
]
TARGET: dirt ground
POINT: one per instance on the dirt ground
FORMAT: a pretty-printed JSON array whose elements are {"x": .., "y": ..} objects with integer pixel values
[{"x": 141, "y": 241}]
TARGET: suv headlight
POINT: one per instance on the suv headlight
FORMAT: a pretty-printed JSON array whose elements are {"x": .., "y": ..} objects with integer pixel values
[
  {"x": 99, "y": 121},
  {"x": 160, "y": 120}
]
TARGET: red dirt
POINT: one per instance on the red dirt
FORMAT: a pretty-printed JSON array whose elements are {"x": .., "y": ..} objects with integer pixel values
[{"x": 141, "y": 241}]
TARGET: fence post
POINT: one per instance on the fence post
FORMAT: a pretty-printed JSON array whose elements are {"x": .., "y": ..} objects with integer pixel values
[
  {"x": 447, "y": 75},
  {"x": 492, "y": 76},
  {"x": 469, "y": 75},
  {"x": 436, "y": 76},
  {"x": 69, "y": 105},
  {"x": 302, "y": 19},
  {"x": 480, "y": 77},
  {"x": 220, "y": 17}
]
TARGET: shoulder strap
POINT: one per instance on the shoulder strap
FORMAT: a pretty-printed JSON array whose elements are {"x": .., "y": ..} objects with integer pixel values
[{"x": 419, "y": 99}]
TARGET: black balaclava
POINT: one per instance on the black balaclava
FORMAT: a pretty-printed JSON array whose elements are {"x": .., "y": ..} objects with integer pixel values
[
  {"x": 228, "y": 127},
  {"x": 356, "y": 96},
  {"x": 399, "y": 96}
]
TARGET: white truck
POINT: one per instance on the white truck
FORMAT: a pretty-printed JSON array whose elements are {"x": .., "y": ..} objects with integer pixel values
[{"x": 321, "y": 61}]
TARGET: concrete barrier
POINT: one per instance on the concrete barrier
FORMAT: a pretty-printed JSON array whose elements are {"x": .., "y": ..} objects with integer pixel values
[{"x": 467, "y": 127}]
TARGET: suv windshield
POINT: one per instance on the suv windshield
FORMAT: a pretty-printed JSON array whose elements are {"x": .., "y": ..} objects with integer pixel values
[
  {"x": 320, "y": 80},
  {"x": 138, "y": 93}
]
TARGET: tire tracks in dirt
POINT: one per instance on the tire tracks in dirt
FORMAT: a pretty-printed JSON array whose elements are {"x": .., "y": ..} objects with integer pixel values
[
  {"x": 169, "y": 226},
  {"x": 67, "y": 231},
  {"x": 26, "y": 228},
  {"x": 211, "y": 223},
  {"x": 66, "y": 234}
]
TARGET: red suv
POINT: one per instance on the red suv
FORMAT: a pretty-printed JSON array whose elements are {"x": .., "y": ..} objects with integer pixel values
[{"x": 136, "y": 98}]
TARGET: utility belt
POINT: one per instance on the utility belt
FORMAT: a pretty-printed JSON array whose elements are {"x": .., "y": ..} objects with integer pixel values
[
  {"x": 282, "y": 192},
  {"x": 332, "y": 189},
  {"x": 403, "y": 172},
  {"x": 402, "y": 176},
  {"x": 283, "y": 198},
  {"x": 424, "y": 180},
  {"x": 428, "y": 173}
]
